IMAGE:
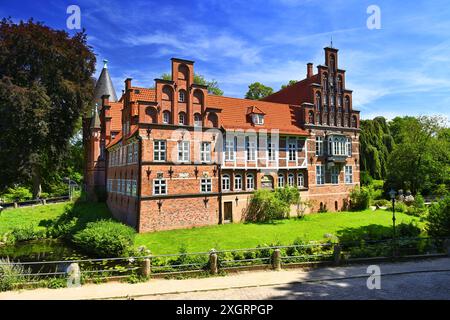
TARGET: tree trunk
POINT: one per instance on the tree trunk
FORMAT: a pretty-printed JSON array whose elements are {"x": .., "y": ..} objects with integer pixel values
[{"x": 36, "y": 179}]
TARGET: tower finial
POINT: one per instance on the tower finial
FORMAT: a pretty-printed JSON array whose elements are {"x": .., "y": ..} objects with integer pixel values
[
  {"x": 105, "y": 64},
  {"x": 331, "y": 43}
]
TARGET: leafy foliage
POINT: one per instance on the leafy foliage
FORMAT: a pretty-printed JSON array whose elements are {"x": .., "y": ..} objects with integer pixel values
[
  {"x": 265, "y": 207},
  {"x": 438, "y": 219},
  {"x": 360, "y": 198},
  {"x": 258, "y": 91},
  {"x": 17, "y": 194},
  {"x": 45, "y": 86},
  {"x": 213, "y": 85},
  {"x": 105, "y": 238}
]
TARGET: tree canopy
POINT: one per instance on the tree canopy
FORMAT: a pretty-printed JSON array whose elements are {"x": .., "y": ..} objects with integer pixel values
[
  {"x": 45, "y": 86},
  {"x": 258, "y": 91}
]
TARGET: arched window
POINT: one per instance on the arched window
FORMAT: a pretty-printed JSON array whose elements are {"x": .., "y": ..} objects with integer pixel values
[
  {"x": 318, "y": 102},
  {"x": 182, "y": 118},
  {"x": 332, "y": 64},
  {"x": 151, "y": 115},
  {"x": 212, "y": 120},
  {"x": 166, "y": 117},
  {"x": 354, "y": 122},
  {"x": 182, "y": 96},
  {"x": 347, "y": 104},
  {"x": 280, "y": 180},
  {"x": 250, "y": 182},
  {"x": 339, "y": 84},
  {"x": 300, "y": 180},
  {"x": 325, "y": 81},
  {"x": 197, "y": 120},
  {"x": 311, "y": 117},
  {"x": 291, "y": 180},
  {"x": 225, "y": 182},
  {"x": 238, "y": 182}
]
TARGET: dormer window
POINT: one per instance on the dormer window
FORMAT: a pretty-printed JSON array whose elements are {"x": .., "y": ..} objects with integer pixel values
[{"x": 258, "y": 119}]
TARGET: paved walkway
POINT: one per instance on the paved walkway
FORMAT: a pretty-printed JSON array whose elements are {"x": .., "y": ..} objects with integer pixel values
[{"x": 425, "y": 279}]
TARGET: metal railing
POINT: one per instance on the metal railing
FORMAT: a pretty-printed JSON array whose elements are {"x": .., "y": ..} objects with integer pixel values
[
  {"x": 34, "y": 202},
  {"x": 215, "y": 261}
]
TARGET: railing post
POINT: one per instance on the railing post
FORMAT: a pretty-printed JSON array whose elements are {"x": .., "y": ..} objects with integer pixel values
[
  {"x": 337, "y": 254},
  {"x": 73, "y": 275},
  {"x": 213, "y": 261},
  {"x": 44, "y": 202},
  {"x": 276, "y": 260},
  {"x": 146, "y": 267},
  {"x": 16, "y": 205}
]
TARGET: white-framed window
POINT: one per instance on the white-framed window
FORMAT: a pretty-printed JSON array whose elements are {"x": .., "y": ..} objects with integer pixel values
[
  {"x": 271, "y": 150},
  {"x": 205, "y": 152},
  {"x": 206, "y": 185},
  {"x": 300, "y": 180},
  {"x": 159, "y": 186},
  {"x": 238, "y": 182},
  {"x": 197, "y": 120},
  {"x": 349, "y": 147},
  {"x": 291, "y": 180},
  {"x": 159, "y": 150},
  {"x": 225, "y": 182},
  {"x": 319, "y": 146},
  {"x": 348, "y": 174},
  {"x": 250, "y": 148},
  {"x": 280, "y": 180},
  {"x": 334, "y": 175},
  {"x": 229, "y": 149},
  {"x": 250, "y": 182},
  {"x": 292, "y": 149},
  {"x": 182, "y": 118},
  {"x": 183, "y": 151},
  {"x": 181, "y": 96},
  {"x": 166, "y": 117},
  {"x": 258, "y": 119},
  {"x": 320, "y": 174}
]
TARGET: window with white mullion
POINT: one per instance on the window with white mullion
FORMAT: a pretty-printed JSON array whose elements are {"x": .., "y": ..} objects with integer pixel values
[
  {"x": 206, "y": 185},
  {"x": 159, "y": 186},
  {"x": 230, "y": 149},
  {"x": 348, "y": 174},
  {"x": 205, "y": 152},
  {"x": 183, "y": 151},
  {"x": 159, "y": 150},
  {"x": 292, "y": 149},
  {"x": 250, "y": 148}
]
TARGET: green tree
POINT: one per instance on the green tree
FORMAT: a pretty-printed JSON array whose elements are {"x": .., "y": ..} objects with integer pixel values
[
  {"x": 290, "y": 83},
  {"x": 258, "y": 91},
  {"x": 421, "y": 158},
  {"x": 438, "y": 219},
  {"x": 45, "y": 86},
  {"x": 213, "y": 85}
]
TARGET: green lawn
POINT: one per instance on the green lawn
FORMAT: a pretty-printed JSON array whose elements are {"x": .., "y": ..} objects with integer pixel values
[
  {"x": 39, "y": 215},
  {"x": 249, "y": 235},
  {"x": 12, "y": 218}
]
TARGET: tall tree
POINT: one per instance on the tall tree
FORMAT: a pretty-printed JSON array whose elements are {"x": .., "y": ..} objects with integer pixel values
[
  {"x": 213, "y": 85},
  {"x": 421, "y": 159},
  {"x": 46, "y": 85},
  {"x": 258, "y": 91}
]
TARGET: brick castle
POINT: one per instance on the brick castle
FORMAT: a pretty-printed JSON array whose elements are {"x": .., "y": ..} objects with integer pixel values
[{"x": 176, "y": 156}]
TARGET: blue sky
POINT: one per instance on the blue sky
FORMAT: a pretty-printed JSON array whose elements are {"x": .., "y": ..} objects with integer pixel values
[{"x": 401, "y": 69}]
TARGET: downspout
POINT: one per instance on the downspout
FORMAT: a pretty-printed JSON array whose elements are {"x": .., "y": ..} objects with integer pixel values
[{"x": 219, "y": 167}]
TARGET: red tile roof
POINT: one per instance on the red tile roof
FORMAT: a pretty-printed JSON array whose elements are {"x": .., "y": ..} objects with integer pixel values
[
  {"x": 279, "y": 116},
  {"x": 295, "y": 94},
  {"x": 118, "y": 138},
  {"x": 143, "y": 94},
  {"x": 116, "y": 115}
]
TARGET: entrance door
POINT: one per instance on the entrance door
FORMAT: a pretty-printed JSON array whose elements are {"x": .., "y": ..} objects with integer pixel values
[{"x": 228, "y": 211}]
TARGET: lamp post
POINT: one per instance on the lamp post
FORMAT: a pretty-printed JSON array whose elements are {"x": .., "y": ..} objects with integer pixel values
[
  {"x": 392, "y": 194},
  {"x": 69, "y": 186}
]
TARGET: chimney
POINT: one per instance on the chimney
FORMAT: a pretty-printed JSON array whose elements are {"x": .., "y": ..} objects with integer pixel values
[
  {"x": 127, "y": 84},
  {"x": 105, "y": 100},
  {"x": 309, "y": 70}
]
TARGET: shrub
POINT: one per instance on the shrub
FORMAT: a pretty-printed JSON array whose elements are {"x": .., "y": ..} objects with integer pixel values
[
  {"x": 418, "y": 207},
  {"x": 400, "y": 206},
  {"x": 265, "y": 206},
  {"x": 360, "y": 198},
  {"x": 408, "y": 230},
  {"x": 381, "y": 203},
  {"x": 438, "y": 219},
  {"x": 26, "y": 233},
  {"x": 105, "y": 238},
  {"x": 17, "y": 194},
  {"x": 289, "y": 195}
]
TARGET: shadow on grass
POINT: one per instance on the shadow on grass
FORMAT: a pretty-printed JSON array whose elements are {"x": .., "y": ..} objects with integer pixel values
[{"x": 75, "y": 217}]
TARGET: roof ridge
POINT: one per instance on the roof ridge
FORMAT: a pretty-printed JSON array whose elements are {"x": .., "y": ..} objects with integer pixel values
[{"x": 248, "y": 100}]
